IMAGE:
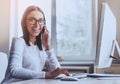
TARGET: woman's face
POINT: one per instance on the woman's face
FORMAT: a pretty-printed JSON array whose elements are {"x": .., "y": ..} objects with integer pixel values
[{"x": 35, "y": 23}]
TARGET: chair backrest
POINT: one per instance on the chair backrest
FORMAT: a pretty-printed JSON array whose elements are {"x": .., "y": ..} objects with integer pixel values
[{"x": 3, "y": 65}]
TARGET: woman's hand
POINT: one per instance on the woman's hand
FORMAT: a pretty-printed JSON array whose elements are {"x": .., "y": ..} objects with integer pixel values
[
  {"x": 56, "y": 72},
  {"x": 46, "y": 39}
]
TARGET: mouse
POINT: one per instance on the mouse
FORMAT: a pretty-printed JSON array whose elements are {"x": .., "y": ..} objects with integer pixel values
[
  {"x": 61, "y": 76},
  {"x": 69, "y": 78}
]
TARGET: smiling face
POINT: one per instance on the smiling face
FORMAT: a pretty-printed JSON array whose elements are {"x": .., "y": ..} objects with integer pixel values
[{"x": 34, "y": 23}]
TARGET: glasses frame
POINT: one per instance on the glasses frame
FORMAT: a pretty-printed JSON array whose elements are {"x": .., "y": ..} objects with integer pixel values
[{"x": 33, "y": 21}]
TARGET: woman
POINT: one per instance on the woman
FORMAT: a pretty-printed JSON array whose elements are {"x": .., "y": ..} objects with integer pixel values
[{"x": 32, "y": 52}]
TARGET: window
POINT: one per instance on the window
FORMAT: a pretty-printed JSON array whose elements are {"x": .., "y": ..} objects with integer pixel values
[
  {"x": 75, "y": 29},
  {"x": 72, "y": 25}
]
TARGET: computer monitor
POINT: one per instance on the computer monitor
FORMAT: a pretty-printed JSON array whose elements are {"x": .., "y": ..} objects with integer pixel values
[{"x": 106, "y": 37}]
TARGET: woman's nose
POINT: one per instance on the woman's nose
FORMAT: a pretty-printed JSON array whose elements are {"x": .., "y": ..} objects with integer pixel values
[{"x": 37, "y": 24}]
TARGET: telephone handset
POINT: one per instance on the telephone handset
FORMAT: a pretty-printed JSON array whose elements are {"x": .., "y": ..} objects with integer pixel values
[{"x": 43, "y": 30}]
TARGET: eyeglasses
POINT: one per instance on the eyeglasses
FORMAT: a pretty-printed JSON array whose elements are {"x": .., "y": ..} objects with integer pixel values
[{"x": 33, "y": 21}]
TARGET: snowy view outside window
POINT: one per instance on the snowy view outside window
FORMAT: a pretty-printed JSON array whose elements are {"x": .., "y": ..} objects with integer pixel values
[{"x": 74, "y": 29}]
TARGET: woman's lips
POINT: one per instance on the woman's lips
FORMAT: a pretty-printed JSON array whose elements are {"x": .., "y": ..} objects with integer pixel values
[{"x": 36, "y": 29}]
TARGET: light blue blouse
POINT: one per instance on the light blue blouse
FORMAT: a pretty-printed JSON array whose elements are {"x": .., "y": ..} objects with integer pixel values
[{"x": 27, "y": 62}]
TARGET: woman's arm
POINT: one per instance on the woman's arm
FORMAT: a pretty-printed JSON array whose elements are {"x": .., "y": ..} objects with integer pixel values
[{"x": 52, "y": 61}]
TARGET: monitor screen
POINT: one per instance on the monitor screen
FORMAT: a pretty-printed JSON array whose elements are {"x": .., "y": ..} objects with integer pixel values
[{"x": 106, "y": 36}]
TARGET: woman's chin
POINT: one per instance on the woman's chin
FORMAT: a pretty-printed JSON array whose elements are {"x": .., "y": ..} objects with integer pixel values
[{"x": 35, "y": 34}]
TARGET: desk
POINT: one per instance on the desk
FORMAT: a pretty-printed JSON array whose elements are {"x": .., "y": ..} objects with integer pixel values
[{"x": 80, "y": 81}]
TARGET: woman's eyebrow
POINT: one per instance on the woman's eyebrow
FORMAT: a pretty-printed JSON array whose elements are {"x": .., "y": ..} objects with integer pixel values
[{"x": 36, "y": 18}]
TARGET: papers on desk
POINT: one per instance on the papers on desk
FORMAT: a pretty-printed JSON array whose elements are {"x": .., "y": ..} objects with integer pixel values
[
  {"x": 108, "y": 78},
  {"x": 104, "y": 76},
  {"x": 94, "y": 75}
]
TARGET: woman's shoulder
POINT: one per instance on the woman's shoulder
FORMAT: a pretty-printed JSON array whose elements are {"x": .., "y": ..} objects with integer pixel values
[
  {"x": 19, "y": 40},
  {"x": 18, "y": 43}
]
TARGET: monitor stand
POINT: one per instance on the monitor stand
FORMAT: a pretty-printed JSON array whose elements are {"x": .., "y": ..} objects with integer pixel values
[{"x": 115, "y": 44}]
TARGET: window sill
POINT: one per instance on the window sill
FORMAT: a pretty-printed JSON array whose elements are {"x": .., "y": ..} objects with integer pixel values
[
  {"x": 85, "y": 66},
  {"x": 76, "y": 62}
]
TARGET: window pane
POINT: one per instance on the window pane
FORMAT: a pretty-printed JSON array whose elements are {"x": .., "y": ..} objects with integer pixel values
[{"x": 74, "y": 29}]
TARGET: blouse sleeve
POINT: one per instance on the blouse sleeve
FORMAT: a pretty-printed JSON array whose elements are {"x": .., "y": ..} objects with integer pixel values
[
  {"x": 15, "y": 64},
  {"x": 52, "y": 61}
]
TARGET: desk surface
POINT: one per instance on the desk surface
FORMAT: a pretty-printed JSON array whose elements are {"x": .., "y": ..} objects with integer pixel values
[{"x": 80, "y": 81}]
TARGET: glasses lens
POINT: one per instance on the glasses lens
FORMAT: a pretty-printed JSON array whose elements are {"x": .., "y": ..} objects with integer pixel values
[
  {"x": 41, "y": 22},
  {"x": 34, "y": 21}
]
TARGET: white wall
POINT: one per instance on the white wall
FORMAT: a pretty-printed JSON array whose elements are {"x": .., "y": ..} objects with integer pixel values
[
  {"x": 4, "y": 25},
  {"x": 115, "y": 6}
]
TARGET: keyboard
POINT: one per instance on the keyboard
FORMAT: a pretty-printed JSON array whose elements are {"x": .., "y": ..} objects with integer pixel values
[
  {"x": 72, "y": 77},
  {"x": 79, "y": 75}
]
